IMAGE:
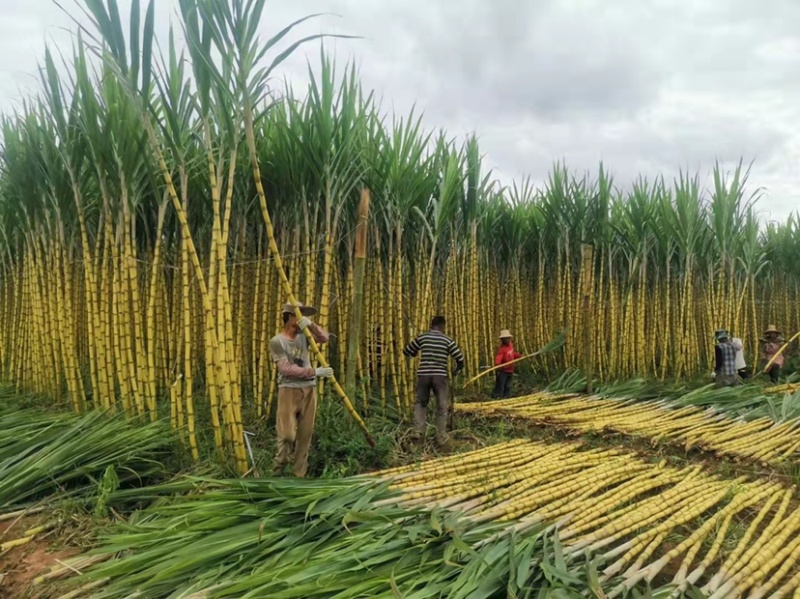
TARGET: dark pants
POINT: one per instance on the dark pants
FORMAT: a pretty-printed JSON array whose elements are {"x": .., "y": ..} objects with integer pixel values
[
  {"x": 727, "y": 380},
  {"x": 774, "y": 373},
  {"x": 502, "y": 384},
  {"x": 437, "y": 384}
]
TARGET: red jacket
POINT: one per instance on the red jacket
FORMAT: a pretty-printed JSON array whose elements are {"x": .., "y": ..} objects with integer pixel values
[{"x": 506, "y": 353}]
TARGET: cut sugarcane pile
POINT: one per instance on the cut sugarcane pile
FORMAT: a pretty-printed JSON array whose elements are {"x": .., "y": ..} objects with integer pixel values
[
  {"x": 761, "y": 439},
  {"x": 785, "y": 388},
  {"x": 738, "y": 535}
]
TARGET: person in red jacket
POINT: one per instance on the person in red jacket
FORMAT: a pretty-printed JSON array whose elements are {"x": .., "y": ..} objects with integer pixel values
[{"x": 505, "y": 354}]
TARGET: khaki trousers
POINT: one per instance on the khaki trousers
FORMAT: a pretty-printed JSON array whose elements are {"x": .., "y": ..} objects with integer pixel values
[{"x": 297, "y": 408}]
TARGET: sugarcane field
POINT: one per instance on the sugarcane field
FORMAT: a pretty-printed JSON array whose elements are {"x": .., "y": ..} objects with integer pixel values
[{"x": 262, "y": 339}]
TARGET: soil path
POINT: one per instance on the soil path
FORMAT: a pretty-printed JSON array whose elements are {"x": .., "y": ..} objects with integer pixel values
[{"x": 19, "y": 566}]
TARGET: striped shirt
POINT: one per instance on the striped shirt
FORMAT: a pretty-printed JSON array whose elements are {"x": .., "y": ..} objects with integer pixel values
[{"x": 436, "y": 348}]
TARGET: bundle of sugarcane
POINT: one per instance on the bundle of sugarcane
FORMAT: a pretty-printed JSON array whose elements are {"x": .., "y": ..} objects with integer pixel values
[
  {"x": 787, "y": 388},
  {"x": 612, "y": 505},
  {"x": 49, "y": 458},
  {"x": 302, "y": 538},
  {"x": 760, "y": 439},
  {"x": 64, "y": 455},
  {"x": 461, "y": 526}
]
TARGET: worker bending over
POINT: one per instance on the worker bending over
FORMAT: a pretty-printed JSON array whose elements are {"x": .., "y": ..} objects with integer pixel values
[
  {"x": 297, "y": 390},
  {"x": 505, "y": 354},
  {"x": 436, "y": 349}
]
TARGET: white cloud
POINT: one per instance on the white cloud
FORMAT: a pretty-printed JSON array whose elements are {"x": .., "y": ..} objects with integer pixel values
[{"x": 647, "y": 86}]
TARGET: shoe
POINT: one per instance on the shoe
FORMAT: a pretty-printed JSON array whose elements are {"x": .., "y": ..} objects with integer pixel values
[{"x": 416, "y": 437}]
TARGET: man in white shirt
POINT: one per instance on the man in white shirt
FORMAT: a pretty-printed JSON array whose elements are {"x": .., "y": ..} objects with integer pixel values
[{"x": 741, "y": 365}]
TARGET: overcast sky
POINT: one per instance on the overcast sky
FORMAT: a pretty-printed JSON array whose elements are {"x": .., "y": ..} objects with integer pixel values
[{"x": 646, "y": 86}]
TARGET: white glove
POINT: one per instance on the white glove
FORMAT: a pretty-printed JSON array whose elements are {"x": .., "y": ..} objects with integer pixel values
[
  {"x": 323, "y": 373},
  {"x": 713, "y": 374},
  {"x": 303, "y": 323}
]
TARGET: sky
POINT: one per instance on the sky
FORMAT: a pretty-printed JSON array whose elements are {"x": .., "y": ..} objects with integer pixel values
[{"x": 647, "y": 87}]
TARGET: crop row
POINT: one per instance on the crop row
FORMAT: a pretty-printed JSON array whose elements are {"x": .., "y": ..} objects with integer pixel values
[
  {"x": 725, "y": 536},
  {"x": 762, "y": 439}
]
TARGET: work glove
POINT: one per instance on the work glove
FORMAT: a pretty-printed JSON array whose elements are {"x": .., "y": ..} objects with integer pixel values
[
  {"x": 303, "y": 323},
  {"x": 323, "y": 372},
  {"x": 458, "y": 370}
]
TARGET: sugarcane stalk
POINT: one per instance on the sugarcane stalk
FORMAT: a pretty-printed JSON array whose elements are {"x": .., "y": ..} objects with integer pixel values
[
  {"x": 287, "y": 287},
  {"x": 586, "y": 272},
  {"x": 354, "y": 335},
  {"x": 552, "y": 346},
  {"x": 779, "y": 352}
]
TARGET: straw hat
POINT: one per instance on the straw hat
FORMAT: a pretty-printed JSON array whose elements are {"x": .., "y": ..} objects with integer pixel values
[
  {"x": 304, "y": 310},
  {"x": 772, "y": 329},
  {"x": 505, "y": 334}
]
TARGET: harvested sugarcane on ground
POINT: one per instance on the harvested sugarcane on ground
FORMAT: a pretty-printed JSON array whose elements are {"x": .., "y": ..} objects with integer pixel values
[
  {"x": 168, "y": 207},
  {"x": 514, "y": 517}
]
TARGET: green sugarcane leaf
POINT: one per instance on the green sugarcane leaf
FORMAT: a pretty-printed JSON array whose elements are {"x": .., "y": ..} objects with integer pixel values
[
  {"x": 435, "y": 523},
  {"x": 148, "y": 38}
]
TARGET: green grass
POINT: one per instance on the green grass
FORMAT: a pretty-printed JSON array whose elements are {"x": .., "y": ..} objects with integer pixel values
[{"x": 338, "y": 450}]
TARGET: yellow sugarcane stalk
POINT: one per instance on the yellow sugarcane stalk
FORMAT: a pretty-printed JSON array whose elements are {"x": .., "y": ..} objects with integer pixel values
[
  {"x": 779, "y": 352},
  {"x": 287, "y": 287},
  {"x": 27, "y": 537},
  {"x": 493, "y": 368},
  {"x": 557, "y": 342},
  {"x": 8, "y": 545}
]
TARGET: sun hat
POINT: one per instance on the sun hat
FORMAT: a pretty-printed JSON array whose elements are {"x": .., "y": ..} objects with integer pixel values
[
  {"x": 505, "y": 334},
  {"x": 772, "y": 329},
  {"x": 304, "y": 310}
]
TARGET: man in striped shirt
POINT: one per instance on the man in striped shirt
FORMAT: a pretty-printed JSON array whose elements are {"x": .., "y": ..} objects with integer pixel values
[{"x": 436, "y": 348}]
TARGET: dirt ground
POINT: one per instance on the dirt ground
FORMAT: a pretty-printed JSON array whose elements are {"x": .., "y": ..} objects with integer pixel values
[{"x": 19, "y": 566}]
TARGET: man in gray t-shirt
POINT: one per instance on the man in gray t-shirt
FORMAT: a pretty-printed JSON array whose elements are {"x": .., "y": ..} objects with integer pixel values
[{"x": 297, "y": 390}]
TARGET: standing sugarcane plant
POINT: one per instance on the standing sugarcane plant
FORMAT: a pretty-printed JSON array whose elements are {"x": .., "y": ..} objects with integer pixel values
[
  {"x": 354, "y": 336},
  {"x": 158, "y": 204},
  {"x": 220, "y": 89},
  {"x": 237, "y": 23}
]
